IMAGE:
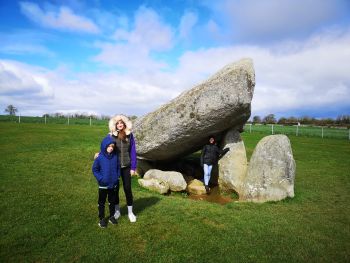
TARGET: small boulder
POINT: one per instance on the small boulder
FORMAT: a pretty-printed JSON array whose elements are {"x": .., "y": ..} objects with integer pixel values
[
  {"x": 175, "y": 180},
  {"x": 196, "y": 187},
  {"x": 271, "y": 171},
  {"x": 154, "y": 185}
]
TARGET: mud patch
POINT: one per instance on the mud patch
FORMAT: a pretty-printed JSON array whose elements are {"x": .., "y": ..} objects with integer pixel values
[{"x": 214, "y": 197}]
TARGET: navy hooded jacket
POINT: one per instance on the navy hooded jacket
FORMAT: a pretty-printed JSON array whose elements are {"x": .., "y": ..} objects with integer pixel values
[{"x": 105, "y": 167}]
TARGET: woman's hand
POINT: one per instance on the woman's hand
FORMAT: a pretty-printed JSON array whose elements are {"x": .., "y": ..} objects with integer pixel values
[{"x": 132, "y": 172}]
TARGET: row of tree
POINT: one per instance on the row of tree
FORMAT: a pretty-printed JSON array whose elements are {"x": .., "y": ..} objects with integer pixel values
[
  {"x": 82, "y": 116},
  {"x": 341, "y": 120},
  {"x": 12, "y": 110}
]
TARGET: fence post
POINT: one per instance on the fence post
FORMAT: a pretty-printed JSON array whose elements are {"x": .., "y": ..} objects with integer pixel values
[
  {"x": 19, "y": 118},
  {"x": 322, "y": 132},
  {"x": 68, "y": 119},
  {"x": 272, "y": 129},
  {"x": 90, "y": 121},
  {"x": 297, "y": 132},
  {"x": 45, "y": 119}
]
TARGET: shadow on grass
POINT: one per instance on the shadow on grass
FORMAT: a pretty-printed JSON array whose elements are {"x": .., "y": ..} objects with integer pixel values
[{"x": 141, "y": 204}]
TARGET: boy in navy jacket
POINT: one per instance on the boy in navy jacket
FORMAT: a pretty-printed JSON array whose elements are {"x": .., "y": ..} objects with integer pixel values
[{"x": 107, "y": 172}]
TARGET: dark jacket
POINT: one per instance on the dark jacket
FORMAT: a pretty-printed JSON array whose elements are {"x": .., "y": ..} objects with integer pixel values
[
  {"x": 105, "y": 167},
  {"x": 127, "y": 151},
  {"x": 211, "y": 154},
  {"x": 132, "y": 147}
]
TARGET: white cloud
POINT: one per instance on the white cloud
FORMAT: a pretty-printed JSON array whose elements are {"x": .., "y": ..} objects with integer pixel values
[
  {"x": 188, "y": 21},
  {"x": 25, "y": 49},
  {"x": 290, "y": 76},
  {"x": 133, "y": 48},
  {"x": 37, "y": 91},
  {"x": 25, "y": 42},
  {"x": 108, "y": 21},
  {"x": 310, "y": 75},
  {"x": 21, "y": 81},
  {"x": 270, "y": 19},
  {"x": 62, "y": 19}
]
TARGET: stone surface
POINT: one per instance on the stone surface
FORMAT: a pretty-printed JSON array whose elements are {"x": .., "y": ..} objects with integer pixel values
[
  {"x": 233, "y": 165},
  {"x": 154, "y": 185},
  {"x": 188, "y": 179},
  {"x": 175, "y": 180},
  {"x": 182, "y": 126},
  {"x": 196, "y": 187},
  {"x": 142, "y": 167},
  {"x": 271, "y": 171}
]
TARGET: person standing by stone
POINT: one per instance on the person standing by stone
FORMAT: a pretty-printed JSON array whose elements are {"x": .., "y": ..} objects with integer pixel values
[
  {"x": 209, "y": 157},
  {"x": 120, "y": 130},
  {"x": 106, "y": 171}
]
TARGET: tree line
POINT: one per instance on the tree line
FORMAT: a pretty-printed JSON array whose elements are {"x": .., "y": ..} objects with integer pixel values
[
  {"x": 341, "y": 120},
  {"x": 12, "y": 110}
]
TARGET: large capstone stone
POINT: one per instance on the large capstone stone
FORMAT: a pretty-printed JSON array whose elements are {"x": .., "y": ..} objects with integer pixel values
[
  {"x": 183, "y": 125},
  {"x": 233, "y": 165},
  {"x": 175, "y": 180},
  {"x": 271, "y": 171}
]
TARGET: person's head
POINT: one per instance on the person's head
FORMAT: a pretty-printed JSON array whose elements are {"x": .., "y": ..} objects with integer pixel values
[
  {"x": 110, "y": 148},
  {"x": 120, "y": 125},
  {"x": 211, "y": 139}
]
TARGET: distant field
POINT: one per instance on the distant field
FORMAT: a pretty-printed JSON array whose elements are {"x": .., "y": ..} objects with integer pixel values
[
  {"x": 310, "y": 131},
  {"x": 49, "y": 207},
  {"x": 52, "y": 120}
]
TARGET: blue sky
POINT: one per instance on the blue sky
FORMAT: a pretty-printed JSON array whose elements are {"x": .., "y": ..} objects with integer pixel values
[{"x": 108, "y": 57}]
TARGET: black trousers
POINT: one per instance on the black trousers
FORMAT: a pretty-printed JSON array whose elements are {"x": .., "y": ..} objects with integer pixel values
[
  {"x": 126, "y": 177},
  {"x": 102, "y": 196}
]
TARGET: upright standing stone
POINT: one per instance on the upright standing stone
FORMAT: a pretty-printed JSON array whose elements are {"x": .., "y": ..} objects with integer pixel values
[
  {"x": 182, "y": 126},
  {"x": 271, "y": 171},
  {"x": 233, "y": 165}
]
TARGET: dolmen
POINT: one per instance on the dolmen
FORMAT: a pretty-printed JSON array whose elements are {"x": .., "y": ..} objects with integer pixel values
[{"x": 219, "y": 106}]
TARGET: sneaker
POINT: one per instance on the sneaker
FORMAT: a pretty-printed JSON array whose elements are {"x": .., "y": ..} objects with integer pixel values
[
  {"x": 117, "y": 214},
  {"x": 112, "y": 220},
  {"x": 103, "y": 223},
  {"x": 132, "y": 217},
  {"x": 207, "y": 189}
]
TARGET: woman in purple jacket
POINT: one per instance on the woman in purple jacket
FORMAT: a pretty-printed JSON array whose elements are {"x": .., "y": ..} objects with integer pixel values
[{"x": 120, "y": 129}]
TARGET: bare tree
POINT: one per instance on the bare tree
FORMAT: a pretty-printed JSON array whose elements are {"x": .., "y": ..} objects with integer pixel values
[{"x": 11, "y": 110}]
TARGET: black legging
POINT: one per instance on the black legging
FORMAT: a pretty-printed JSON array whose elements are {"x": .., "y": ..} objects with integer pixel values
[{"x": 126, "y": 177}]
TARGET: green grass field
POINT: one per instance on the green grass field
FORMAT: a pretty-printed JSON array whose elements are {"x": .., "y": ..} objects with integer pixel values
[
  {"x": 49, "y": 207},
  {"x": 301, "y": 131}
]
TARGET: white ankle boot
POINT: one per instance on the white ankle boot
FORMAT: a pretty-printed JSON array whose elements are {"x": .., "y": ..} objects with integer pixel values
[
  {"x": 131, "y": 215},
  {"x": 117, "y": 212}
]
